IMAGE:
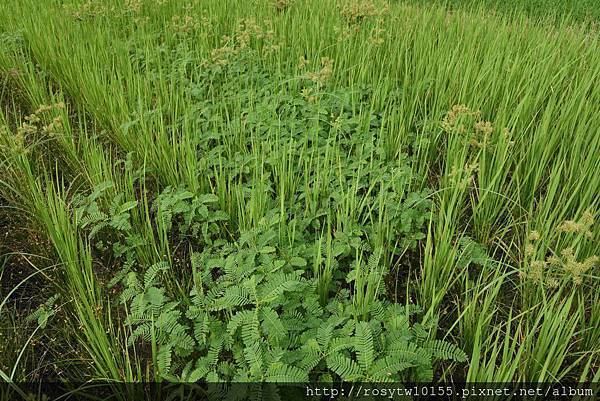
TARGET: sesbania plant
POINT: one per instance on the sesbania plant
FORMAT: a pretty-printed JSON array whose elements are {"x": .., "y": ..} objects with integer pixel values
[
  {"x": 255, "y": 316},
  {"x": 256, "y": 310}
]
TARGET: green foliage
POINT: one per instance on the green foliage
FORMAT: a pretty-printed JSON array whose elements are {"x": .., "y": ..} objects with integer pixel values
[
  {"x": 285, "y": 181},
  {"x": 44, "y": 312},
  {"x": 577, "y": 10},
  {"x": 195, "y": 215},
  {"x": 92, "y": 215},
  {"x": 253, "y": 317}
]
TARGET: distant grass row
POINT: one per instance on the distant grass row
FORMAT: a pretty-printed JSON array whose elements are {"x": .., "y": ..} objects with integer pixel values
[{"x": 574, "y": 10}]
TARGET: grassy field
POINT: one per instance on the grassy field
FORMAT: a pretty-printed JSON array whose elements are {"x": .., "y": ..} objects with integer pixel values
[
  {"x": 585, "y": 11},
  {"x": 294, "y": 190}
]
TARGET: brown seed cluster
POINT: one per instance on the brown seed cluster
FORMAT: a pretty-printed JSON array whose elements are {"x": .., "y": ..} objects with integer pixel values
[
  {"x": 187, "y": 24},
  {"x": 282, "y": 5},
  {"x": 36, "y": 124},
  {"x": 583, "y": 226},
  {"x": 356, "y": 12},
  {"x": 577, "y": 268},
  {"x": 308, "y": 95},
  {"x": 378, "y": 33},
  {"x": 453, "y": 119},
  {"x": 303, "y": 62},
  {"x": 321, "y": 76},
  {"x": 355, "y": 15},
  {"x": 549, "y": 269},
  {"x": 477, "y": 132},
  {"x": 99, "y": 8},
  {"x": 133, "y": 6},
  {"x": 247, "y": 32},
  {"x": 462, "y": 177},
  {"x": 90, "y": 9}
]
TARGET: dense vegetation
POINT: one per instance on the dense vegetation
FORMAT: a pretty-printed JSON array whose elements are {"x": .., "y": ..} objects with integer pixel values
[
  {"x": 293, "y": 190},
  {"x": 585, "y": 11}
]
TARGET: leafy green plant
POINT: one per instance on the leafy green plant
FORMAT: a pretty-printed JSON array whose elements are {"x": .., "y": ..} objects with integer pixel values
[
  {"x": 44, "y": 312},
  {"x": 252, "y": 316},
  {"x": 335, "y": 154},
  {"x": 90, "y": 216},
  {"x": 196, "y": 214}
]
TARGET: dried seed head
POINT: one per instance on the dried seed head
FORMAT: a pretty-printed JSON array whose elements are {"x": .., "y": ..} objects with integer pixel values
[
  {"x": 303, "y": 62},
  {"x": 569, "y": 226},
  {"x": 587, "y": 219},
  {"x": 321, "y": 76},
  {"x": 529, "y": 250},
  {"x": 534, "y": 236}
]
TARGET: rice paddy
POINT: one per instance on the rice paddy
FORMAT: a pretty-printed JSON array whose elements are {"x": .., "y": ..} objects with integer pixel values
[{"x": 298, "y": 191}]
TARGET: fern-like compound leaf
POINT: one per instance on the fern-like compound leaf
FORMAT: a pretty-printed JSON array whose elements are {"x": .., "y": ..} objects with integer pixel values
[
  {"x": 345, "y": 367},
  {"x": 364, "y": 348}
]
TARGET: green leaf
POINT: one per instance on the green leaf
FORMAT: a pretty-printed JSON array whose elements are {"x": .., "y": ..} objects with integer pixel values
[
  {"x": 99, "y": 190},
  {"x": 153, "y": 271},
  {"x": 155, "y": 297},
  {"x": 163, "y": 359},
  {"x": 267, "y": 249},
  {"x": 445, "y": 350},
  {"x": 297, "y": 261},
  {"x": 387, "y": 367},
  {"x": 208, "y": 198},
  {"x": 282, "y": 373},
  {"x": 365, "y": 352},
  {"x": 345, "y": 367},
  {"x": 272, "y": 325}
]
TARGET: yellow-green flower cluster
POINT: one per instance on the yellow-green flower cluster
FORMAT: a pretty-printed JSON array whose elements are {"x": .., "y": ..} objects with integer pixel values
[
  {"x": 356, "y": 12},
  {"x": 583, "y": 226},
  {"x": 321, "y": 76},
  {"x": 478, "y": 133},
  {"x": 246, "y": 32},
  {"x": 554, "y": 265}
]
